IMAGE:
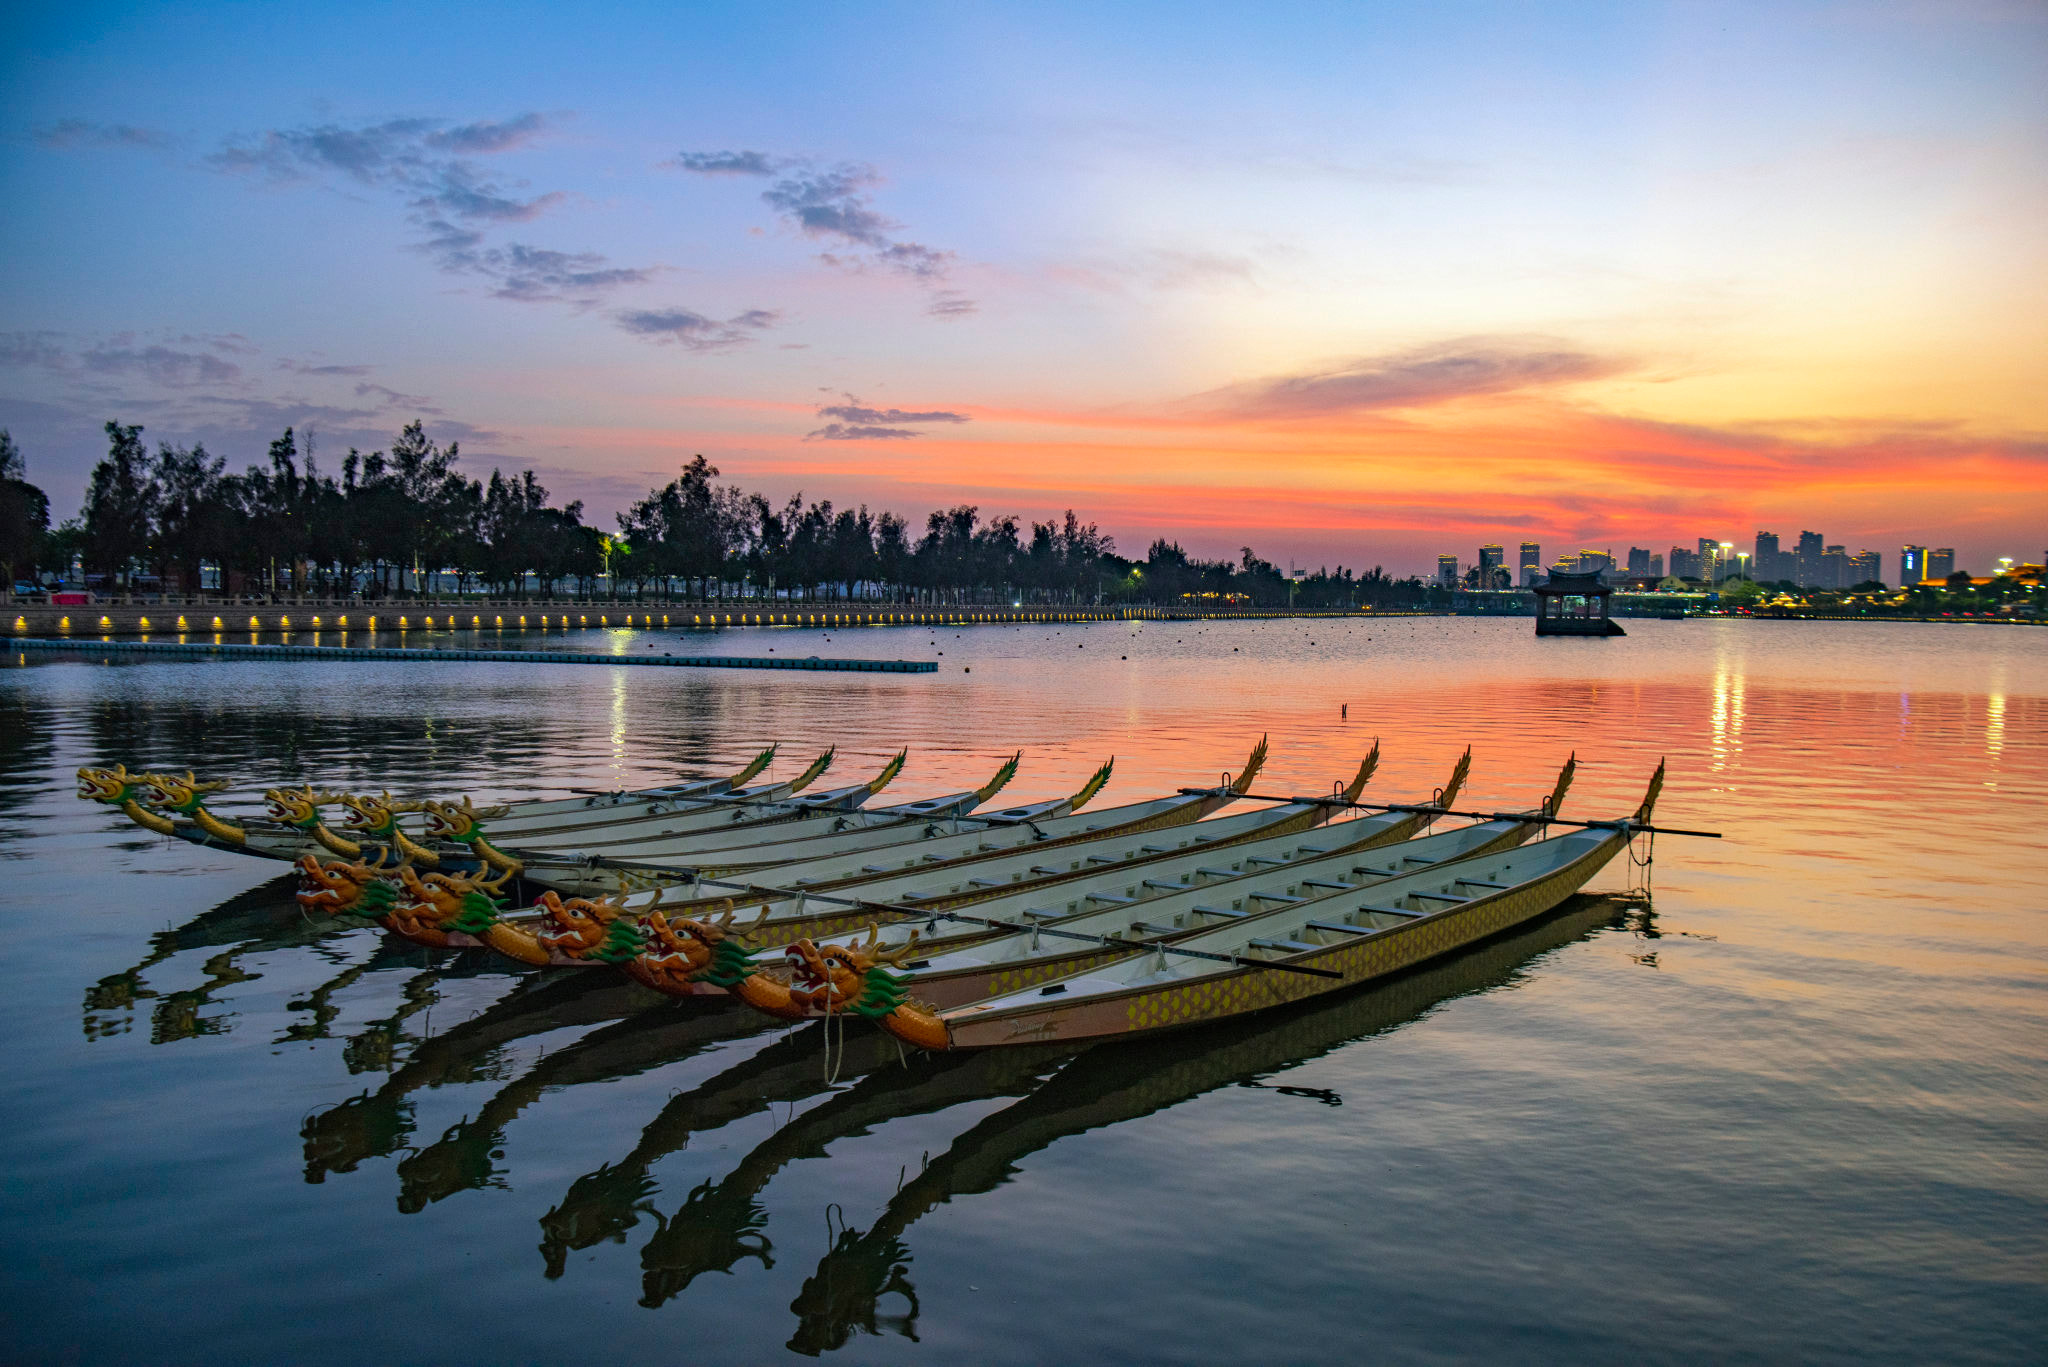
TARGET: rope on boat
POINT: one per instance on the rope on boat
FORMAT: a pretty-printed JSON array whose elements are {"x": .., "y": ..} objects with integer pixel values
[
  {"x": 1641, "y": 886},
  {"x": 1431, "y": 809}
]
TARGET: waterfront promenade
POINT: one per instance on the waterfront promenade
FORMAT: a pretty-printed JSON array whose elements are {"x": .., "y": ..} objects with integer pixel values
[{"x": 178, "y": 618}]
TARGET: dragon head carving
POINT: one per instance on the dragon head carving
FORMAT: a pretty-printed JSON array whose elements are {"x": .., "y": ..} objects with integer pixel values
[
  {"x": 184, "y": 794},
  {"x": 849, "y": 977},
  {"x": 461, "y": 822},
  {"x": 112, "y": 786},
  {"x": 688, "y": 951},
  {"x": 589, "y": 928},
  {"x": 298, "y": 807},
  {"x": 332, "y": 887},
  {"x": 376, "y": 816}
]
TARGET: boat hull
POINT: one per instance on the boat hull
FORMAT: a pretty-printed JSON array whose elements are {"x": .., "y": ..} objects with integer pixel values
[{"x": 1142, "y": 1010}]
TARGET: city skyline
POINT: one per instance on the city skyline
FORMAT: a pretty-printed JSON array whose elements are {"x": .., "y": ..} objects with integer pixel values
[
  {"x": 1347, "y": 287},
  {"x": 1814, "y": 562}
]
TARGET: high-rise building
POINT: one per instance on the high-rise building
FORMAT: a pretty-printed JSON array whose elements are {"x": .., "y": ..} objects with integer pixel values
[
  {"x": 1806, "y": 567},
  {"x": 1685, "y": 564},
  {"x": 1565, "y": 564},
  {"x": 1912, "y": 565},
  {"x": 1590, "y": 561},
  {"x": 1491, "y": 558},
  {"x": 1447, "y": 571},
  {"x": 1765, "y": 566},
  {"x": 1834, "y": 568},
  {"x": 1638, "y": 559},
  {"x": 1941, "y": 563},
  {"x": 1657, "y": 566},
  {"x": 1866, "y": 567},
  {"x": 1532, "y": 563},
  {"x": 1709, "y": 555}
]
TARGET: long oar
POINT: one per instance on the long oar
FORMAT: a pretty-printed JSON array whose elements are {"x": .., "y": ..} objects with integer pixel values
[
  {"x": 1425, "y": 809},
  {"x": 911, "y": 913}
]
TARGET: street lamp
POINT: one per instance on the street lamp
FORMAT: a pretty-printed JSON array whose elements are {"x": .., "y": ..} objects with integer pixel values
[{"x": 606, "y": 546}]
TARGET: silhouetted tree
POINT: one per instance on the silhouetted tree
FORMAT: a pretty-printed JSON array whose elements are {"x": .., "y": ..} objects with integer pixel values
[{"x": 24, "y": 517}]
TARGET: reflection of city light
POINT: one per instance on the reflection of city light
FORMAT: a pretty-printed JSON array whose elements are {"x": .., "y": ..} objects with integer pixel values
[
  {"x": 1994, "y": 724},
  {"x": 1725, "y": 718},
  {"x": 619, "y": 718}
]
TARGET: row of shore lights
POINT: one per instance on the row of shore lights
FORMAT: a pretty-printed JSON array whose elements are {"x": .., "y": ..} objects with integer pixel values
[{"x": 604, "y": 619}]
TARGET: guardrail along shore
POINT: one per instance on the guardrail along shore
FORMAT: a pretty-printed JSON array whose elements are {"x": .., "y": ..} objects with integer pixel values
[
  {"x": 129, "y": 619},
  {"x": 210, "y": 650}
]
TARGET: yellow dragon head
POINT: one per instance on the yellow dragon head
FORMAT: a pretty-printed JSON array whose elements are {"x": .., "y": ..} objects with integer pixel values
[
  {"x": 298, "y": 807},
  {"x": 461, "y": 822},
  {"x": 112, "y": 786},
  {"x": 184, "y": 794},
  {"x": 377, "y": 816}
]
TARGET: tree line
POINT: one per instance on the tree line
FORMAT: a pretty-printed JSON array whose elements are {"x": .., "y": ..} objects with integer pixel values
[{"x": 395, "y": 522}]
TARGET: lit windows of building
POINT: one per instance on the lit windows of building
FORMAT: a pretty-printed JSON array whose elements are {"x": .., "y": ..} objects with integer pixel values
[
  {"x": 1447, "y": 571},
  {"x": 1912, "y": 565}
]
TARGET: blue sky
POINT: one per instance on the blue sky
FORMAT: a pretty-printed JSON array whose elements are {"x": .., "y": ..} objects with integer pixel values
[{"x": 1353, "y": 283}]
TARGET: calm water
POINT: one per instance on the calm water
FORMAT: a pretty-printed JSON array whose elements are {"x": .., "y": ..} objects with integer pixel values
[{"x": 1790, "y": 1107}]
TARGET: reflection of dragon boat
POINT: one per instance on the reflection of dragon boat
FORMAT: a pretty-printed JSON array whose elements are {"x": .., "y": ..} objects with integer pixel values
[
  {"x": 606, "y": 1203},
  {"x": 376, "y": 1124},
  {"x": 253, "y": 922},
  {"x": 464, "y": 1157},
  {"x": 1117, "y": 1083},
  {"x": 720, "y": 1223}
]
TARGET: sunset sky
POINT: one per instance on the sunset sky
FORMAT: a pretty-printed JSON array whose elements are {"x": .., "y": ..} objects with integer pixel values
[{"x": 1352, "y": 284}]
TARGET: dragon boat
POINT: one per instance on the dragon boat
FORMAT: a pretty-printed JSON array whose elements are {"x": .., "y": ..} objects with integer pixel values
[
  {"x": 740, "y": 818},
  {"x": 783, "y": 830},
  {"x": 438, "y": 909},
  {"x": 953, "y": 970},
  {"x": 853, "y": 855},
  {"x": 374, "y": 827},
  {"x": 1251, "y": 963},
  {"x": 696, "y": 952}
]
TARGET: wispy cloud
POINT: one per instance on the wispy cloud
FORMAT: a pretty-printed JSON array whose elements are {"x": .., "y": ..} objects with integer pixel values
[
  {"x": 858, "y": 422},
  {"x": 66, "y": 133},
  {"x": 835, "y": 204},
  {"x": 38, "y": 350},
  {"x": 726, "y": 163},
  {"x": 1462, "y": 368},
  {"x": 855, "y": 412},
  {"x": 692, "y": 331},
  {"x": 531, "y": 274},
  {"x": 387, "y": 397},
  {"x": 173, "y": 369},
  {"x": 301, "y": 368},
  {"x": 431, "y": 164}
]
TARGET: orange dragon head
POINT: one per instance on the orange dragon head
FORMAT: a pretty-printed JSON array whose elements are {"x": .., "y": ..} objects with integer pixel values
[
  {"x": 332, "y": 887},
  {"x": 850, "y": 977}
]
